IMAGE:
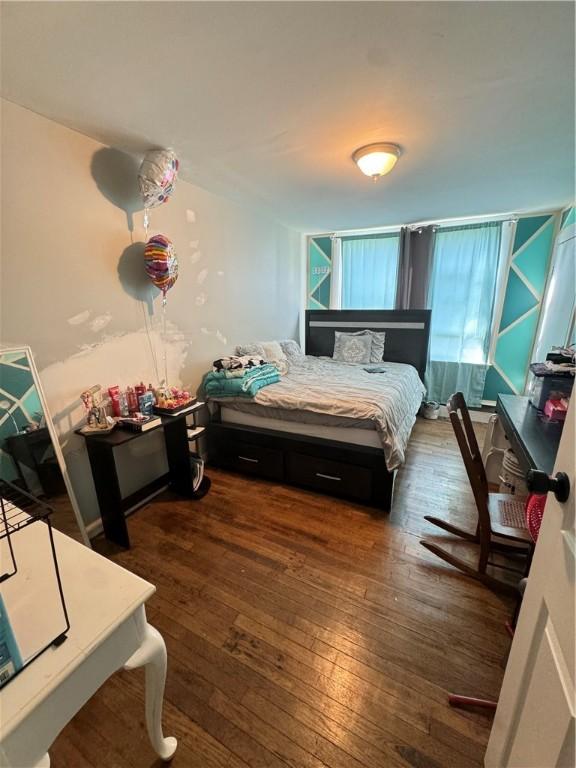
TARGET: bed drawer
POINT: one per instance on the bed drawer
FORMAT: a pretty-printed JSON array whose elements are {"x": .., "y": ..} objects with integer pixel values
[
  {"x": 333, "y": 476},
  {"x": 253, "y": 459}
]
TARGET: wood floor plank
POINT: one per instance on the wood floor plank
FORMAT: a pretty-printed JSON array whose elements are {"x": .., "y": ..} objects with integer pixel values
[{"x": 305, "y": 631}]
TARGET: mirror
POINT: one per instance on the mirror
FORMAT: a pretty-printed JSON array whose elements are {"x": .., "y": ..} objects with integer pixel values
[{"x": 31, "y": 459}]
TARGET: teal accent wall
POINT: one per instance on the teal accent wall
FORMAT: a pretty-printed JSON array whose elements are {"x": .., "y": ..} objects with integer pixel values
[
  {"x": 568, "y": 217},
  {"x": 525, "y": 284},
  {"x": 319, "y": 272}
]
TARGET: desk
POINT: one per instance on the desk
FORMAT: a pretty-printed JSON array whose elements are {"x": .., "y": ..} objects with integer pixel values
[
  {"x": 533, "y": 440},
  {"x": 103, "y": 465},
  {"x": 108, "y": 631}
]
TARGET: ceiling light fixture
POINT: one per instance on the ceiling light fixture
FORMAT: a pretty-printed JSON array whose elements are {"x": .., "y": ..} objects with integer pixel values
[{"x": 377, "y": 160}]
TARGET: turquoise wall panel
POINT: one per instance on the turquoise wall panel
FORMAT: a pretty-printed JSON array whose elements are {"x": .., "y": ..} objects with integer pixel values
[
  {"x": 526, "y": 227},
  {"x": 495, "y": 385},
  {"x": 531, "y": 251},
  {"x": 568, "y": 217},
  {"x": 513, "y": 350},
  {"x": 319, "y": 272},
  {"x": 325, "y": 245},
  {"x": 534, "y": 258},
  {"x": 517, "y": 301}
]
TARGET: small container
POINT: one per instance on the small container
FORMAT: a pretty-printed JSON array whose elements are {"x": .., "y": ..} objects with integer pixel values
[
  {"x": 548, "y": 385},
  {"x": 132, "y": 401},
  {"x": 430, "y": 410},
  {"x": 555, "y": 410},
  {"x": 512, "y": 477},
  {"x": 114, "y": 393},
  {"x": 123, "y": 404},
  {"x": 146, "y": 402}
]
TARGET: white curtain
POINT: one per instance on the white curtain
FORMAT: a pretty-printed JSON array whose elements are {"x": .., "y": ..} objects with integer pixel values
[
  {"x": 336, "y": 276},
  {"x": 370, "y": 271},
  {"x": 462, "y": 292}
]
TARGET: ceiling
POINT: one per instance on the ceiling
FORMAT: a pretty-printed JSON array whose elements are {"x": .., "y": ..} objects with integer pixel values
[{"x": 265, "y": 102}]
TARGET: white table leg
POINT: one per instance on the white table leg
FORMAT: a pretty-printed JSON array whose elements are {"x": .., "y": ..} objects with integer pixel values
[
  {"x": 152, "y": 655},
  {"x": 44, "y": 762}
]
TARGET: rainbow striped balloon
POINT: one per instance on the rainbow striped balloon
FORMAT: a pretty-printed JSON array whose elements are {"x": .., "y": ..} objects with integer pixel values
[{"x": 160, "y": 262}]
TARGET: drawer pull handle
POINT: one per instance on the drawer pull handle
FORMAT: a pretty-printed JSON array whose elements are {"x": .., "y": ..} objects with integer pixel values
[
  {"x": 246, "y": 458},
  {"x": 327, "y": 477}
]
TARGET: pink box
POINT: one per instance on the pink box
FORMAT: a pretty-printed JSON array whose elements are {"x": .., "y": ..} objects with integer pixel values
[{"x": 555, "y": 410}]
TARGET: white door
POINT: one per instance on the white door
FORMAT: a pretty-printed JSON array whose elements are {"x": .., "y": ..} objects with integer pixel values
[{"x": 534, "y": 723}]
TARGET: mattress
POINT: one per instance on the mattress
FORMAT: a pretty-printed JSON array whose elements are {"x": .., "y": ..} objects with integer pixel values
[
  {"x": 328, "y": 393},
  {"x": 297, "y": 415},
  {"x": 365, "y": 435}
]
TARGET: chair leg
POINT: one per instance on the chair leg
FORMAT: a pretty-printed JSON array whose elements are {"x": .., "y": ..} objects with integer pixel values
[
  {"x": 457, "y": 562},
  {"x": 452, "y": 528},
  {"x": 510, "y": 549}
]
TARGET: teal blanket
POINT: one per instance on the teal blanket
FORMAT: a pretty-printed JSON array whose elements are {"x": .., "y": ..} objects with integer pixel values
[{"x": 217, "y": 384}]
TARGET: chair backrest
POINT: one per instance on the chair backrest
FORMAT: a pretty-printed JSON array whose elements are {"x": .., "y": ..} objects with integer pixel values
[{"x": 464, "y": 432}]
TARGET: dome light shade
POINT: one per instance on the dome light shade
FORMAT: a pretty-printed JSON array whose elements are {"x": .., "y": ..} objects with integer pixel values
[{"x": 377, "y": 160}]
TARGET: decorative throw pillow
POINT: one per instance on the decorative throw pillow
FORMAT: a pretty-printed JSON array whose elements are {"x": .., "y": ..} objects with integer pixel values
[
  {"x": 273, "y": 353},
  {"x": 292, "y": 349},
  {"x": 256, "y": 350},
  {"x": 351, "y": 348},
  {"x": 270, "y": 351},
  {"x": 378, "y": 341}
]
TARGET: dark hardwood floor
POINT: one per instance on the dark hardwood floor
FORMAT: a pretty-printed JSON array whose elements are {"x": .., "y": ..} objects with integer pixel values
[{"x": 305, "y": 631}]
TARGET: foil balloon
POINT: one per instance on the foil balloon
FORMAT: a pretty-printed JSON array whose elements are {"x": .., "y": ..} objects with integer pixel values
[
  {"x": 157, "y": 176},
  {"x": 161, "y": 263}
]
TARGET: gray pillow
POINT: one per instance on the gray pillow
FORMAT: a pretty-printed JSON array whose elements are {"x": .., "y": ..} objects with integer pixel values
[
  {"x": 292, "y": 349},
  {"x": 378, "y": 341},
  {"x": 352, "y": 348}
]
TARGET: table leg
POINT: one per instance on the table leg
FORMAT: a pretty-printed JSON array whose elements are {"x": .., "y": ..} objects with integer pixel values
[
  {"x": 178, "y": 455},
  {"x": 44, "y": 762},
  {"x": 107, "y": 487},
  {"x": 152, "y": 656}
]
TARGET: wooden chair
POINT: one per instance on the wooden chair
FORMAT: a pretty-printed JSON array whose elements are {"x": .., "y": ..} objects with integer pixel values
[{"x": 501, "y": 524}]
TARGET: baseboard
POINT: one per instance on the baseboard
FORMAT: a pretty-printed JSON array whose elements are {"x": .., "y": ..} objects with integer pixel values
[
  {"x": 480, "y": 416},
  {"x": 95, "y": 528}
]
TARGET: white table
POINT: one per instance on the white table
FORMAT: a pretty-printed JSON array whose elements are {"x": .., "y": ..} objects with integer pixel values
[{"x": 108, "y": 631}]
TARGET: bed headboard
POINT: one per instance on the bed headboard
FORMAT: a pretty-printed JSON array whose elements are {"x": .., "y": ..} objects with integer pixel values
[{"x": 407, "y": 332}]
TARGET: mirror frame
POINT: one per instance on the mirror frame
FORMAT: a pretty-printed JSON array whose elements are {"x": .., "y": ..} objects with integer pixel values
[{"x": 25, "y": 350}]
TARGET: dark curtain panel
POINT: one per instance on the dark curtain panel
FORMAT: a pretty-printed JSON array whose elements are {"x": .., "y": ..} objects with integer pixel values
[{"x": 414, "y": 267}]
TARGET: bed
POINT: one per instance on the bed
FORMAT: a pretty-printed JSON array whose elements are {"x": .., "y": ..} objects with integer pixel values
[{"x": 328, "y": 425}]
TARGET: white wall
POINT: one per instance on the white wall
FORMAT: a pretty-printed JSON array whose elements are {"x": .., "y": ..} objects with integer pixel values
[{"x": 74, "y": 289}]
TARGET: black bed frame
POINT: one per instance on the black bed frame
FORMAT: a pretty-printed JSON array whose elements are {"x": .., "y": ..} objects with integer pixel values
[{"x": 341, "y": 469}]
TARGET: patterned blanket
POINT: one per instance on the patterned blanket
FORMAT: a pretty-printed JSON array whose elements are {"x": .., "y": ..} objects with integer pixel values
[{"x": 322, "y": 385}]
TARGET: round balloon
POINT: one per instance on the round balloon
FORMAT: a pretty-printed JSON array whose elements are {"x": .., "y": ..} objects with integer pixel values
[
  {"x": 157, "y": 176},
  {"x": 160, "y": 262}
]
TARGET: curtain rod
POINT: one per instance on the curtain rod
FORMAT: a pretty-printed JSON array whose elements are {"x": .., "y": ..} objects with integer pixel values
[{"x": 462, "y": 221}]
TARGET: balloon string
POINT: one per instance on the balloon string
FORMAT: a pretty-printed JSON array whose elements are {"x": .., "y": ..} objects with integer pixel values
[
  {"x": 164, "y": 337},
  {"x": 146, "y": 223}
]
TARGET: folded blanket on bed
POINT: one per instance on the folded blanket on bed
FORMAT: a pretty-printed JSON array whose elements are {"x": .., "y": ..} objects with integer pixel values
[
  {"x": 218, "y": 384},
  {"x": 237, "y": 362}
]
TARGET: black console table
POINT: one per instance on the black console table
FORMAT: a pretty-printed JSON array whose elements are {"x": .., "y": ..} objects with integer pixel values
[
  {"x": 534, "y": 440},
  {"x": 177, "y": 436}
]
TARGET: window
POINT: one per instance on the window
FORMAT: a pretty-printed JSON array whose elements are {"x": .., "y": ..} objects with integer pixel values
[
  {"x": 370, "y": 271},
  {"x": 462, "y": 292}
]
